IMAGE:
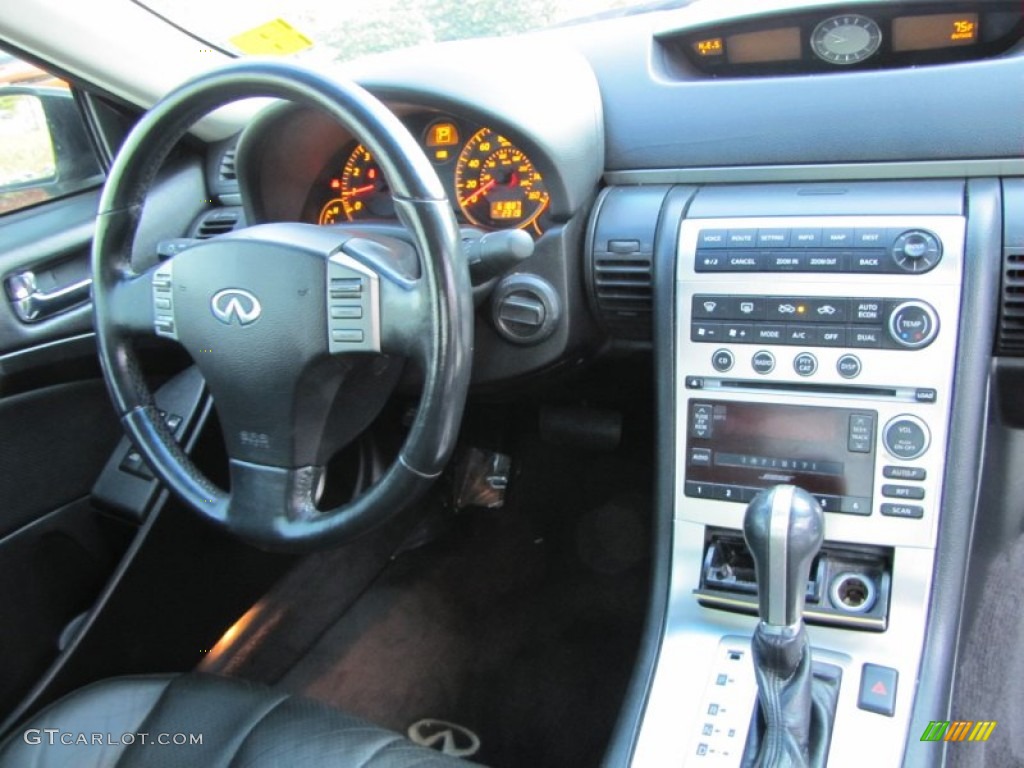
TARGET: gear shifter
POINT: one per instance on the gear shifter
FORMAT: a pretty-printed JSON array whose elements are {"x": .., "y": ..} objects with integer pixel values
[{"x": 784, "y": 528}]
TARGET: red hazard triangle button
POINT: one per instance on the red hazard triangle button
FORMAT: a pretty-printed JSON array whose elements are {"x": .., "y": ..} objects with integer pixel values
[{"x": 878, "y": 689}]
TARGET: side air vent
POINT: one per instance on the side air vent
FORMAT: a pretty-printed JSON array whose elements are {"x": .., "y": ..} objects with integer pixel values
[
  {"x": 620, "y": 259},
  {"x": 1011, "y": 315},
  {"x": 217, "y": 222},
  {"x": 226, "y": 170},
  {"x": 622, "y": 289}
]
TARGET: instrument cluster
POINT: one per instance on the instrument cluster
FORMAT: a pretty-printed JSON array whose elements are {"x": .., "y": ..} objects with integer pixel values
[{"x": 493, "y": 182}]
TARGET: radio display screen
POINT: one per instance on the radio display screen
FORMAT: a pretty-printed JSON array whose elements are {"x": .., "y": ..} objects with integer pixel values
[{"x": 736, "y": 449}]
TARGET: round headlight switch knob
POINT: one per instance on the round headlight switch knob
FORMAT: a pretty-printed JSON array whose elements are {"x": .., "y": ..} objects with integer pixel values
[{"x": 916, "y": 251}]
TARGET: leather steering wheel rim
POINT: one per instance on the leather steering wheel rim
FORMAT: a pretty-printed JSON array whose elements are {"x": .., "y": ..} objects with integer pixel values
[{"x": 438, "y": 330}]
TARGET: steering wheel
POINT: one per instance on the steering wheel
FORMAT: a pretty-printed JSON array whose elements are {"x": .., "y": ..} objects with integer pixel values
[{"x": 270, "y": 314}]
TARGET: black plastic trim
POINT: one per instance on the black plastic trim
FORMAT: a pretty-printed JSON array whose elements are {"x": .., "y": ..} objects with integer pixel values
[
  {"x": 627, "y": 730},
  {"x": 963, "y": 468}
]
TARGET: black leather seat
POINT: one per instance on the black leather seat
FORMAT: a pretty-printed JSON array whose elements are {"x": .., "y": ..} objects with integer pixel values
[{"x": 241, "y": 725}]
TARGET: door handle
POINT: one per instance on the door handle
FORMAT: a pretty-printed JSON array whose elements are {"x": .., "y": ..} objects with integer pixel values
[{"x": 32, "y": 305}]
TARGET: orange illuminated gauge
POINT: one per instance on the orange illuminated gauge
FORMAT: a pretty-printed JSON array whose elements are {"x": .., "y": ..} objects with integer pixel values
[
  {"x": 497, "y": 185},
  {"x": 362, "y": 191}
]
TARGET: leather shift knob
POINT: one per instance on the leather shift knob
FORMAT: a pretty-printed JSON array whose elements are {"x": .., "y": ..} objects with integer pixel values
[{"x": 784, "y": 528}]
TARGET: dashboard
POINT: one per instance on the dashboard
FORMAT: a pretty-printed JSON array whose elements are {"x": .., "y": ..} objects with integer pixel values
[
  {"x": 798, "y": 215},
  {"x": 492, "y": 181}
]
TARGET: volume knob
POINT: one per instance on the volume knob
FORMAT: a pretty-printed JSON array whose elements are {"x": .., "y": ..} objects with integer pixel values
[{"x": 913, "y": 324}]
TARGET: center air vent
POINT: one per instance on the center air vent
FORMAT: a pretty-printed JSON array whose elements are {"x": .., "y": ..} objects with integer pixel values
[
  {"x": 217, "y": 222},
  {"x": 1011, "y": 315}
]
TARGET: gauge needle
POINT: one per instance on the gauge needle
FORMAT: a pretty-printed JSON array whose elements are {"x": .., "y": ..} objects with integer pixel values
[
  {"x": 358, "y": 191},
  {"x": 482, "y": 190}
]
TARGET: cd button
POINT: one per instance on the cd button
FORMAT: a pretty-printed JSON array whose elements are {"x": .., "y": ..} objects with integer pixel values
[
  {"x": 848, "y": 366},
  {"x": 722, "y": 360},
  {"x": 763, "y": 362}
]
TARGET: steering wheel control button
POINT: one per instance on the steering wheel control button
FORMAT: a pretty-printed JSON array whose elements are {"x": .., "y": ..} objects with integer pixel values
[
  {"x": 353, "y": 295},
  {"x": 906, "y": 437},
  {"x": 909, "y": 511},
  {"x": 861, "y": 435},
  {"x": 163, "y": 302},
  {"x": 763, "y": 362},
  {"x": 916, "y": 251},
  {"x": 904, "y": 473},
  {"x": 805, "y": 364},
  {"x": 848, "y": 366},
  {"x": 723, "y": 360},
  {"x": 913, "y": 324}
]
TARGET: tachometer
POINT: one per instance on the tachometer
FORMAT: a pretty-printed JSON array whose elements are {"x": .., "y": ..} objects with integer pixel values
[
  {"x": 363, "y": 192},
  {"x": 496, "y": 184}
]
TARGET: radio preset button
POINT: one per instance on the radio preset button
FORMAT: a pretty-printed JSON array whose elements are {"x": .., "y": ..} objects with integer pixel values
[
  {"x": 763, "y": 362},
  {"x": 855, "y": 505},
  {"x": 848, "y": 366},
  {"x": 722, "y": 360},
  {"x": 906, "y": 437},
  {"x": 805, "y": 364}
]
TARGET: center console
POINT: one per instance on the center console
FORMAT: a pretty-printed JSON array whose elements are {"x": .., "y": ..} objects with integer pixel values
[{"x": 814, "y": 336}]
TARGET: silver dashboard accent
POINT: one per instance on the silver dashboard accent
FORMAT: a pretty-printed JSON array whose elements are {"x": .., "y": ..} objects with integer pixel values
[
  {"x": 778, "y": 551},
  {"x": 353, "y": 306},
  {"x": 889, "y": 383}
]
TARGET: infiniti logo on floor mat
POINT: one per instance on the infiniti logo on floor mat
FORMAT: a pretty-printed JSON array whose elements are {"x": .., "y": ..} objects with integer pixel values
[{"x": 449, "y": 738}]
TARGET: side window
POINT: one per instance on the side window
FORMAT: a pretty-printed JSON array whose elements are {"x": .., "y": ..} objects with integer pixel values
[{"x": 45, "y": 151}]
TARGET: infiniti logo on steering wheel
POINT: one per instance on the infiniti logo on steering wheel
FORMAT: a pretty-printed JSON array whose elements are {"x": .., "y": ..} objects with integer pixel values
[{"x": 235, "y": 303}]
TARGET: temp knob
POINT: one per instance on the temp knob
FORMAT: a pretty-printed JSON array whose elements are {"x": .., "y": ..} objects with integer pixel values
[
  {"x": 913, "y": 324},
  {"x": 916, "y": 251}
]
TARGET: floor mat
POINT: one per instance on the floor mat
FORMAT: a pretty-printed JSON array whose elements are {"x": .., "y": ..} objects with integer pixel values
[{"x": 520, "y": 624}]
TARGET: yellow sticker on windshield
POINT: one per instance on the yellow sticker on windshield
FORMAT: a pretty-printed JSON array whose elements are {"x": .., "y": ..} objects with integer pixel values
[{"x": 275, "y": 38}]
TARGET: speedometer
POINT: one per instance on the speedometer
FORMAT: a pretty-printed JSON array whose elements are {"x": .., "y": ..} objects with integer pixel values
[{"x": 496, "y": 183}]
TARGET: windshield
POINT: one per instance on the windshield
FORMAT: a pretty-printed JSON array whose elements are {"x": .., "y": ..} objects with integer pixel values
[{"x": 344, "y": 30}]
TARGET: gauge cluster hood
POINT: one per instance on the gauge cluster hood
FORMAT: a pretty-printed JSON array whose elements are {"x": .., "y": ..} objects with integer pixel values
[{"x": 549, "y": 92}]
